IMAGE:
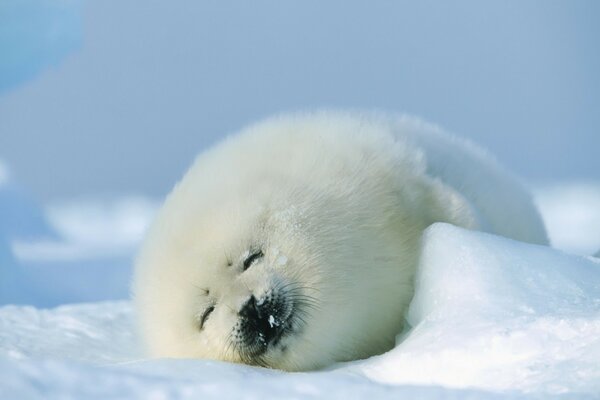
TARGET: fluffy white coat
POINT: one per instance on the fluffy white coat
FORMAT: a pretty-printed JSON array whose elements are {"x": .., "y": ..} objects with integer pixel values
[{"x": 337, "y": 202}]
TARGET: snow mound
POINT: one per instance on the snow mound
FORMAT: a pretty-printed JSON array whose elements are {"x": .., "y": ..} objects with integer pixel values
[
  {"x": 497, "y": 314},
  {"x": 492, "y": 318}
]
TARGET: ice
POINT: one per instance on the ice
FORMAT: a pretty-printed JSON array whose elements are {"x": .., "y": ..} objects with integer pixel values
[
  {"x": 197, "y": 379},
  {"x": 491, "y": 318},
  {"x": 98, "y": 333}
]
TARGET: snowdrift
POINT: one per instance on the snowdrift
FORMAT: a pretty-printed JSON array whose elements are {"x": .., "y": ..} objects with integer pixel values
[
  {"x": 491, "y": 318},
  {"x": 497, "y": 314}
]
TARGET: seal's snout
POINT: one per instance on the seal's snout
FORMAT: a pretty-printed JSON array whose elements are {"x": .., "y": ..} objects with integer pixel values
[{"x": 261, "y": 321}]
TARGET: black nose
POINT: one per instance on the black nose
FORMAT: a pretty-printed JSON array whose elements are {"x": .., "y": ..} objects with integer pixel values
[{"x": 260, "y": 322}]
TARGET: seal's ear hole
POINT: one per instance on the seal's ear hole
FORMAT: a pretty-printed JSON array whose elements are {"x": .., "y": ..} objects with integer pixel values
[{"x": 252, "y": 258}]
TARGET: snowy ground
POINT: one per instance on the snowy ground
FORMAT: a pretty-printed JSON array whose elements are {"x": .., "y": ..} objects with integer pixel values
[{"x": 492, "y": 318}]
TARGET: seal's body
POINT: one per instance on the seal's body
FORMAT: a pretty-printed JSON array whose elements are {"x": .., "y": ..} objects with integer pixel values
[{"x": 294, "y": 243}]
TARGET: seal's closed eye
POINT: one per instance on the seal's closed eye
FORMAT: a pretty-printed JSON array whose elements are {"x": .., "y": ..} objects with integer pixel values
[
  {"x": 205, "y": 316},
  {"x": 252, "y": 258}
]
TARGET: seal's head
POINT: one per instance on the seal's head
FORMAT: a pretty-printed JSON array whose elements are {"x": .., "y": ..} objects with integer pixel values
[{"x": 291, "y": 245}]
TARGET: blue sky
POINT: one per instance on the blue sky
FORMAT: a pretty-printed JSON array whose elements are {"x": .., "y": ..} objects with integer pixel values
[{"x": 118, "y": 96}]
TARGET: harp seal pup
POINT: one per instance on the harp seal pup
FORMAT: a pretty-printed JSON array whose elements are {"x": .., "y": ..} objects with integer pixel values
[{"x": 293, "y": 244}]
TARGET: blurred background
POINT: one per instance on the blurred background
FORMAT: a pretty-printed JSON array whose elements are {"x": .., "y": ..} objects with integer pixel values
[
  {"x": 105, "y": 103},
  {"x": 112, "y": 96}
]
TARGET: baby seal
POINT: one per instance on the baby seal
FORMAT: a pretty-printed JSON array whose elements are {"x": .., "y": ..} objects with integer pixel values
[{"x": 293, "y": 244}]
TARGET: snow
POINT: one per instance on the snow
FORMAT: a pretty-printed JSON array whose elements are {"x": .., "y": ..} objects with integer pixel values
[
  {"x": 95, "y": 333},
  {"x": 496, "y": 314},
  {"x": 272, "y": 321},
  {"x": 491, "y": 318}
]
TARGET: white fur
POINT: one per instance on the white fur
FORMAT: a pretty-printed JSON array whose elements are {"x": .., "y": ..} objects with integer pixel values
[{"x": 338, "y": 202}]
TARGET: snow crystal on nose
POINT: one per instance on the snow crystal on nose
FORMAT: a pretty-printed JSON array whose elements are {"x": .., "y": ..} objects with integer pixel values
[{"x": 272, "y": 321}]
